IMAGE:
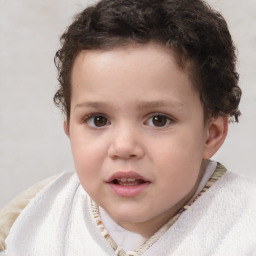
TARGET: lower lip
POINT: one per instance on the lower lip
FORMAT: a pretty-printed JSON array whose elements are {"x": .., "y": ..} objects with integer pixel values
[{"x": 128, "y": 191}]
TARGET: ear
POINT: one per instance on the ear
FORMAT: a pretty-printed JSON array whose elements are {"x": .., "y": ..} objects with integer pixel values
[
  {"x": 217, "y": 130},
  {"x": 66, "y": 128}
]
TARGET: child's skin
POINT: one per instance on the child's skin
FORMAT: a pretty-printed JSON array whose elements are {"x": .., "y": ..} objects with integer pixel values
[{"x": 148, "y": 121}]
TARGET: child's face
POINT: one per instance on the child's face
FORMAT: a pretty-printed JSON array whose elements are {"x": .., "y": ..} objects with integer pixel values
[{"x": 137, "y": 133}]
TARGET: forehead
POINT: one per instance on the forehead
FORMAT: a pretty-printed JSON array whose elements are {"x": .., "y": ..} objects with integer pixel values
[
  {"x": 151, "y": 58},
  {"x": 144, "y": 72}
]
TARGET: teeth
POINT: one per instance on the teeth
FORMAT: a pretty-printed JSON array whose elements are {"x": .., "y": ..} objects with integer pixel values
[{"x": 127, "y": 179}]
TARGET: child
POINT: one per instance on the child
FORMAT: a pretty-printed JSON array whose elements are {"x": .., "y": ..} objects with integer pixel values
[{"x": 148, "y": 89}]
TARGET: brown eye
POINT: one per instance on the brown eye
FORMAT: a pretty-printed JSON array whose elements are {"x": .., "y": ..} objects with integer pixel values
[
  {"x": 97, "y": 121},
  {"x": 100, "y": 121},
  {"x": 159, "y": 121}
]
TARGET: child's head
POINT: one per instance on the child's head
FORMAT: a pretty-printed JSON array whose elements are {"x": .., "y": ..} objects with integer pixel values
[
  {"x": 147, "y": 87},
  {"x": 197, "y": 35}
]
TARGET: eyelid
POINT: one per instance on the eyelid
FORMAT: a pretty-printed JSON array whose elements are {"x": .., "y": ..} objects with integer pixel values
[
  {"x": 93, "y": 115},
  {"x": 160, "y": 114},
  {"x": 171, "y": 119}
]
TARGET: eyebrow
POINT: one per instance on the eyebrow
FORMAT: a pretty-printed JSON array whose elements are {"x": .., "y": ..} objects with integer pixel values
[
  {"x": 92, "y": 104},
  {"x": 141, "y": 105},
  {"x": 155, "y": 104}
]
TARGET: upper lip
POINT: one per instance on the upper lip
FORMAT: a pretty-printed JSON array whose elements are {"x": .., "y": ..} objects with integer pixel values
[{"x": 129, "y": 174}]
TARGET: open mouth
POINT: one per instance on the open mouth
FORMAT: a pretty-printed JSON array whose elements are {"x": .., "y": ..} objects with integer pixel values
[
  {"x": 128, "y": 184},
  {"x": 128, "y": 181}
]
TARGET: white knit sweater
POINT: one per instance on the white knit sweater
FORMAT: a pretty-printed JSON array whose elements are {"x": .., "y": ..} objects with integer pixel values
[{"x": 59, "y": 221}]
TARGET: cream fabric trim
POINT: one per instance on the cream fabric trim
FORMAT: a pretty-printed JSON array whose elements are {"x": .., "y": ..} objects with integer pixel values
[
  {"x": 11, "y": 211},
  {"x": 218, "y": 173}
]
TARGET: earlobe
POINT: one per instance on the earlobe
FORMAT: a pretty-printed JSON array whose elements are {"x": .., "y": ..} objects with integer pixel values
[
  {"x": 216, "y": 133},
  {"x": 66, "y": 128}
]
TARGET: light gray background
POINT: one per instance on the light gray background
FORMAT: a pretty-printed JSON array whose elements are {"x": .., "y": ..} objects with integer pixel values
[{"x": 32, "y": 142}]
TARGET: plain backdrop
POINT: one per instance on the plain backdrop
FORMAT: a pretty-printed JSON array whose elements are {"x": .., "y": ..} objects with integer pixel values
[{"x": 33, "y": 145}]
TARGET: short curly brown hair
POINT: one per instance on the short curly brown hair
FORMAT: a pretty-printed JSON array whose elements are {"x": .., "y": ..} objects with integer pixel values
[{"x": 191, "y": 29}]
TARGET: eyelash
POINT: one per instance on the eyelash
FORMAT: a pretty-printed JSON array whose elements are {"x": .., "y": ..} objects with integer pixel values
[
  {"x": 161, "y": 115},
  {"x": 92, "y": 117}
]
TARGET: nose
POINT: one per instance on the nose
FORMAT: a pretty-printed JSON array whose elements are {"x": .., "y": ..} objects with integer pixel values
[{"x": 126, "y": 143}]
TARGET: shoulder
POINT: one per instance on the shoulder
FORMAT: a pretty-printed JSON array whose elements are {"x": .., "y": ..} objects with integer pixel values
[
  {"x": 233, "y": 189},
  {"x": 235, "y": 183},
  {"x": 231, "y": 185},
  {"x": 230, "y": 213},
  {"x": 10, "y": 213},
  {"x": 235, "y": 213},
  {"x": 222, "y": 220}
]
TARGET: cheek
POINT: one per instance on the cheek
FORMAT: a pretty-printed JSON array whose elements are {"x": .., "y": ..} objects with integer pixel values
[
  {"x": 88, "y": 154},
  {"x": 178, "y": 160},
  {"x": 87, "y": 166},
  {"x": 181, "y": 147}
]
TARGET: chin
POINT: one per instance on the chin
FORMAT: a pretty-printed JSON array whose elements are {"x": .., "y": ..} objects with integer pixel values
[{"x": 128, "y": 215}]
